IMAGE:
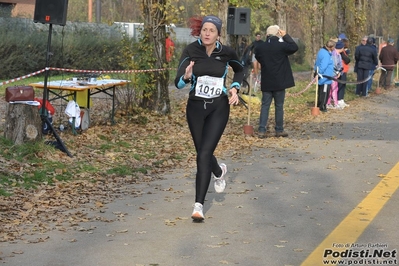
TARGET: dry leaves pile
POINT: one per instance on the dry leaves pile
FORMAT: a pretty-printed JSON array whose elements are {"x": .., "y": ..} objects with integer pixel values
[{"x": 162, "y": 144}]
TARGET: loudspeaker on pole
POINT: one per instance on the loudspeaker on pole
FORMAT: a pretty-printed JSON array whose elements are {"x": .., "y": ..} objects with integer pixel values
[
  {"x": 239, "y": 21},
  {"x": 51, "y": 12}
]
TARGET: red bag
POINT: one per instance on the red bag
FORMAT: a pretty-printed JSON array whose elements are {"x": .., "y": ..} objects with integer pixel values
[
  {"x": 19, "y": 93},
  {"x": 49, "y": 107}
]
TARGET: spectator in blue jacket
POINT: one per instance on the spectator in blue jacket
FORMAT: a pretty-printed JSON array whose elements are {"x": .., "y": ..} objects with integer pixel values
[{"x": 324, "y": 65}]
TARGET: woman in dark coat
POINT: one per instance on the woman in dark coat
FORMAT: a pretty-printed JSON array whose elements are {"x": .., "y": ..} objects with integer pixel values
[
  {"x": 276, "y": 76},
  {"x": 366, "y": 60}
]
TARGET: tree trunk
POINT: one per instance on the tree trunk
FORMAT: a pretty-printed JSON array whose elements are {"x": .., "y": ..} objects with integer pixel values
[
  {"x": 23, "y": 124},
  {"x": 315, "y": 31},
  {"x": 341, "y": 16},
  {"x": 223, "y": 6},
  {"x": 281, "y": 14},
  {"x": 158, "y": 98}
]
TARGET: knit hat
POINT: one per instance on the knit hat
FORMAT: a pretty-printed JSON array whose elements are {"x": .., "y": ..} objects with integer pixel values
[
  {"x": 214, "y": 20},
  {"x": 339, "y": 45},
  {"x": 342, "y": 36},
  {"x": 390, "y": 41},
  {"x": 272, "y": 30}
]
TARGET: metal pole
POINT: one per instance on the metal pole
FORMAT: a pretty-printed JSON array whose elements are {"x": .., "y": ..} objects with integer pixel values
[
  {"x": 98, "y": 11},
  {"x": 43, "y": 112},
  {"x": 46, "y": 73}
]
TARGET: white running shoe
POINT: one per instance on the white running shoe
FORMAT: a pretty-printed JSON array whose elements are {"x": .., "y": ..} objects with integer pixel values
[
  {"x": 343, "y": 103},
  {"x": 339, "y": 107},
  {"x": 220, "y": 182},
  {"x": 198, "y": 214},
  {"x": 330, "y": 106}
]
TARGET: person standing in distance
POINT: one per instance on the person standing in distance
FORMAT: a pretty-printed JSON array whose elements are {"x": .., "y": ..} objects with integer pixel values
[
  {"x": 276, "y": 76},
  {"x": 388, "y": 57},
  {"x": 169, "y": 47},
  {"x": 343, "y": 77},
  {"x": 324, "y": 65},
  {"x": 258, "y": 41},
  {"x": 204, "y": 65},
  {"x": 366, "y": 60}
]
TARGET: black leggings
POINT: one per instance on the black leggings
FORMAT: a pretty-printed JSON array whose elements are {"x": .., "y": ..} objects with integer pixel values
[
  {"x": 207, "y": 121},
  {"x": 323, "y": 94}
]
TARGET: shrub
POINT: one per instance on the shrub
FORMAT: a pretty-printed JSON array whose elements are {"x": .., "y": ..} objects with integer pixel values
[{"x": 23, "y": 49}]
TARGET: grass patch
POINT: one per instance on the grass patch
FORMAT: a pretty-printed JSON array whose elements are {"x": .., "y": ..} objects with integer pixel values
[
  {"x": 301, "y": 67},
  {"x": 4, "y": 193},
  {"x": 106, "y": 147},
  {"x": 137, "y": 156},
  {"x": 123, "y": 144},
  {"x": 124, "y": 170},
  {"x": 27, "y": 152},
  {"x": 88, "y": 168},
  {"x": 26, "y": 166},
  {"x": 43, "y": 175}
]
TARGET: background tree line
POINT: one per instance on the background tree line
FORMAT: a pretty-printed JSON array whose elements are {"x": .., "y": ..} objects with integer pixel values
[
  {"x": 311, "y": 21},
  {"x": 301, "y": 18}
]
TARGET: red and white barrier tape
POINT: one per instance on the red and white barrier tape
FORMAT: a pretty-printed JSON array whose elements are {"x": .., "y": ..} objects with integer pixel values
[
  {"x": 302, "y": 91},
  {"x": 82, "y": 71},
  {"x": 23, "y": 77},
  {"x": 109, "y": 71}
]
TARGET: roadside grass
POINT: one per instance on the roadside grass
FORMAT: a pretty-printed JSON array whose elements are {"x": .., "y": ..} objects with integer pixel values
[
  {"x": 32, "y": 170},
  {"x": 127, "y": 149},
  {"x": 124, "y": 170},
  {"x": 301, "y": 67}
]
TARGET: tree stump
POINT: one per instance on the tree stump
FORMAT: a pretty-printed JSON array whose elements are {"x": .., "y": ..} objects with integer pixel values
[{"x": 23, "y": 123}]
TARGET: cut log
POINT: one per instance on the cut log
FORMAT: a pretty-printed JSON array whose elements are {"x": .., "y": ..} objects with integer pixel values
[{"x": 23, "y": 124}]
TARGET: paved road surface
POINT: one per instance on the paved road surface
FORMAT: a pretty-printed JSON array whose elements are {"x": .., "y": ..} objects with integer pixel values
[{"x": 280, "y": 204}]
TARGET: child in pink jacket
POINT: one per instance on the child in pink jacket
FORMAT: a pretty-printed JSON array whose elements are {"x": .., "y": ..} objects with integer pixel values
[{"x": 336, "y": 55}]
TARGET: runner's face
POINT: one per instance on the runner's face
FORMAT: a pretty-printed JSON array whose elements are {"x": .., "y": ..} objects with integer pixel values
[{"x": 209, "y": 33}]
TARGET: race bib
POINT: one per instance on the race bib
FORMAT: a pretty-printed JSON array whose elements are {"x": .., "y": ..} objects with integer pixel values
[{"x": 209, "y": 87}]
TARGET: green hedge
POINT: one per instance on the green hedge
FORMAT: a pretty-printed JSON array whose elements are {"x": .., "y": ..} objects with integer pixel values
[{"x": 23, "y": 47}]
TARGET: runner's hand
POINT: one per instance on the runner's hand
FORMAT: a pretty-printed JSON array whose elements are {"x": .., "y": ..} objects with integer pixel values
[
  {"x": 189, "y": 70},
  {"x": 233, "y": 96}
]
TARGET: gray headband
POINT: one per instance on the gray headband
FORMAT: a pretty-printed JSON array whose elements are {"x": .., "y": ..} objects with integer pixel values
[{"x": 214, "y": 20}]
